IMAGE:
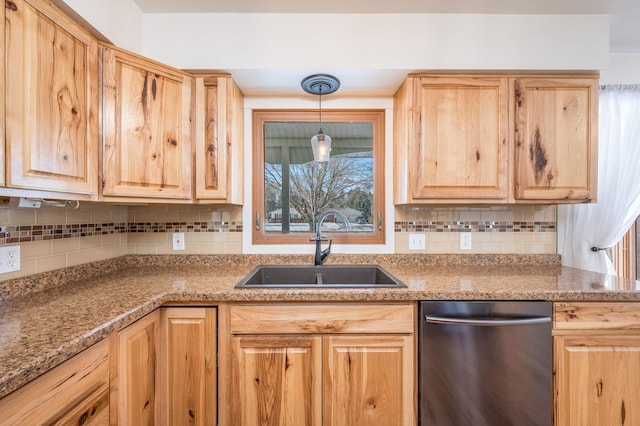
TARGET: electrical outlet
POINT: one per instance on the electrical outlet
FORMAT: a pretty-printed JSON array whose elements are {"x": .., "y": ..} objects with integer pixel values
[
  {"x": 416, "y": 242},
  {"x": 178, "y": 240},
  {"x": 465, "y": 241},
  {"x": 9, "y": 259}
]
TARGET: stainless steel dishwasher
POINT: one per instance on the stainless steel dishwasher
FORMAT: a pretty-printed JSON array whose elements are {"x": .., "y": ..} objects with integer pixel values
[{"x": 485, "y": 363}]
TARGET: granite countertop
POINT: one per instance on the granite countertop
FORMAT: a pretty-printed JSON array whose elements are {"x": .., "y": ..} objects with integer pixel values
[{"x": 48, "y": 318}]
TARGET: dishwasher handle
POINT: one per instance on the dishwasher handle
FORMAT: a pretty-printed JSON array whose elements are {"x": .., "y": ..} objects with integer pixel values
[{"x": 485, "y": 322}]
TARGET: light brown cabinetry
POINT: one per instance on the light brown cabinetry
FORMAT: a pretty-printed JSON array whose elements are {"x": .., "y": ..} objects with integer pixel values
[
  {"x": 134, "y": 372},
  {"x": 323, "y": 364},
  {"x": 147, "y": 129},
  {"x": 165, "y": 368},
  {"x": 51, "y": 103},
  {"x": 496, "y": 138},
  {"x": 556, "y": 151},
  {"x": 451, "y": 139},
  {"x": 75, "y": 392},
  {"x": 187, "y": 384},
  {"x": 597, "y": 363},
  {"x": 218, "y": 140}
]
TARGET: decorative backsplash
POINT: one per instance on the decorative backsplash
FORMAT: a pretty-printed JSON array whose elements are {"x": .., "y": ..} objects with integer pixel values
[
  {"x": 474, "y": 226},
  {"x": 27, "y": 233}
]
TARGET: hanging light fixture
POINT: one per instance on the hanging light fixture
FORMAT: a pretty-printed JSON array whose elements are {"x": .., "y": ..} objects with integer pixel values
[{"x": 320, "y": 84}]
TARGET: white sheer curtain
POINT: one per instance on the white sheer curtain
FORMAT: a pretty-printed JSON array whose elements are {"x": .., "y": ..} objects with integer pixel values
[{"x": 602, "y": 225}]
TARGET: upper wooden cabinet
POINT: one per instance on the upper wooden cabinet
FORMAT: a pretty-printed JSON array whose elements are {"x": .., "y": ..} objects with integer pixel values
[
  {"x": 451, "y": 139},
  {"x": 219, "y": 140},
  {"x": 51, "y": 100},
  {"x": 555, "y": 134},
  {"x": 496, "y": 138},
  {"x": 147, "y": 146}
]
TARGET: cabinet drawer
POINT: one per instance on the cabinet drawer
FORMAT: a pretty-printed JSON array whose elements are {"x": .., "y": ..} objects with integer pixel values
[
  {"x": 77, "y": 389},
  {"x": 322, "y": 318},
  {"x": 596, "y": 315}
]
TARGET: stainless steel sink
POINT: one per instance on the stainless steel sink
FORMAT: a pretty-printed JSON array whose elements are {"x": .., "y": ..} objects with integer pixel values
[{"x": 325, "y": 276}]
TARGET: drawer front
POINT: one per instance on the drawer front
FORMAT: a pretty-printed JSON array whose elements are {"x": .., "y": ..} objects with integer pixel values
[
  {"x": 78, "y": 386},
  {"x": 323, "y": 318},
  {"x": 596, "y": 315}
]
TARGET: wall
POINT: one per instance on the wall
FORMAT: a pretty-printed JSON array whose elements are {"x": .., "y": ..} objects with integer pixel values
[
  {"x": 377, "y": 41},
  {"x": 119, "y": 21}
]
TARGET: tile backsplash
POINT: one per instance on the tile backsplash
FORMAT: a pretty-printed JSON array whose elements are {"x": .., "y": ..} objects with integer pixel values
[
  {"x": 495, "y": 229},
  {"x": 53, "y": 238}
]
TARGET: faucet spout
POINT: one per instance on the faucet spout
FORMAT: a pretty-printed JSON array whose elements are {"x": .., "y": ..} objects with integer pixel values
[{"x": 322, "y": 254}]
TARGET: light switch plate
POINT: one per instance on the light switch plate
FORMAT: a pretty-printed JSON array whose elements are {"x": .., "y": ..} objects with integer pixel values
[
  {"x": 416, "y": 242},
  {"x": 465, "y": 241},
  {"x": 9, "y": 259},
  {"x": 178, "y": 241}
]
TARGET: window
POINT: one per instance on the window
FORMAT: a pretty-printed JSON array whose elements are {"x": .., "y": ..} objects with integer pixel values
[{"x": 290, "y": 190}]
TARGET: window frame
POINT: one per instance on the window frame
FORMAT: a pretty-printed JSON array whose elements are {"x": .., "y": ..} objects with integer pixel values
[{"x": 375, "y": 116}]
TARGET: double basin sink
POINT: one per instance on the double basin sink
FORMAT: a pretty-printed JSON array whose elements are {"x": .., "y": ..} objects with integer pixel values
[{"x": 316, "y": 277}]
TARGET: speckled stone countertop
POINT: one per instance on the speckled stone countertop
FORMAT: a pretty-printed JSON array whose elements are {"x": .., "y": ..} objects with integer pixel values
[{"x": 45, "y": 319}]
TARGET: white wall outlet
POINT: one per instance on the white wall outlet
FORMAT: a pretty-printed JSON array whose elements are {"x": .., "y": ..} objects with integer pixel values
[
  {"x": 416, "y": 242},
  {"x": 465, "y": 241},
  {"x": 9, "y": 259},
  {"x": 178, "y": 240}
]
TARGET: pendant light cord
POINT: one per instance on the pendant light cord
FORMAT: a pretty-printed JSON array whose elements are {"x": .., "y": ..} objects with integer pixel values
[{"x": 320, "y": 94}]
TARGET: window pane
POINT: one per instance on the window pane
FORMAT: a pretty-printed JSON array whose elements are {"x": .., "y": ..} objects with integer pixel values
[{"x": 297, "y": 189}]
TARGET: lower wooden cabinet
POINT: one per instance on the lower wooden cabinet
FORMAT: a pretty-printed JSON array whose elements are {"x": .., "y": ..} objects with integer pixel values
[
  {"x": 76, "y": 392},
  {"x": 165, "y": 372},
  {"x": 134, "y": 372},
  {"x": 187, "y": 381},
  {"x": 597, "y": 364},
  {"x": 320, "y": 364}
]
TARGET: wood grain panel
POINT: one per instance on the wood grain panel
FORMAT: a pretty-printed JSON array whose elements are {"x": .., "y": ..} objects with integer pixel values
[
  {"x": 368, "y": 381},
  {"x": 188, "y": 360},
  {"x": 596, "y": 316},
  {"x": 277, "y": 380},
  {"x": 219, "y": 140},
  {"x": 451, "y": 139},
  {"x": 137, "y": 372},
  {"x": 147, "y": 145},
  {"x": 322, "y": 318},
  {"x": 64, "y": 393},
  {"x": 556, "y": 138},
  {"x": 52, "y": 101},
  {"x": 597, "y": 380}
]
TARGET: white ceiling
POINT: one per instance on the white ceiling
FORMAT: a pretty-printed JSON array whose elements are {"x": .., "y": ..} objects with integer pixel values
[{"x": 624, "y": 29}]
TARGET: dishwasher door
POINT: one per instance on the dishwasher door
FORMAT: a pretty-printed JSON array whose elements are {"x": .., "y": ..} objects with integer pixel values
[{"x": 485, "y": 364}]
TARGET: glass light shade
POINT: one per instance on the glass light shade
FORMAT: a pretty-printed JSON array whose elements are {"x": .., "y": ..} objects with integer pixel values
[{"x": 321, "y": 145}]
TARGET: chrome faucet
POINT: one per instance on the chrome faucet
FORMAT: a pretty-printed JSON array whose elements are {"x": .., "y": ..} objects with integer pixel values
[{"x": 322, "y": 254}]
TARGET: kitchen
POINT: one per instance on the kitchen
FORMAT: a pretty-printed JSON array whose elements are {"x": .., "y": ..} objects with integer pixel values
[{"x": 585, "y": 48}]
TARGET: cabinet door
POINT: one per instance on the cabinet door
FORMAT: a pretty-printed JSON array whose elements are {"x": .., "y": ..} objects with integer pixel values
[
  {"x": 219, "y": 140},
  {"x": 597, "y": 380},
  {"x": 51, "y": 101},
  {"x": 2, "y": 97},
  {"x": 136, "y": 372},
  {"x": 146, "y": 128},
  {"x": 461, "y": 149},
  {"x": 556, "y": 139},
  {"x": 276, "y": 380},
  {"x": 368, "y": 380},
  {"x": 187, "y": 383}
]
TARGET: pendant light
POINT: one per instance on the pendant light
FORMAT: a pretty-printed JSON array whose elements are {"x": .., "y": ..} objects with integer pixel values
[{"x": 320, "y": 84}]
